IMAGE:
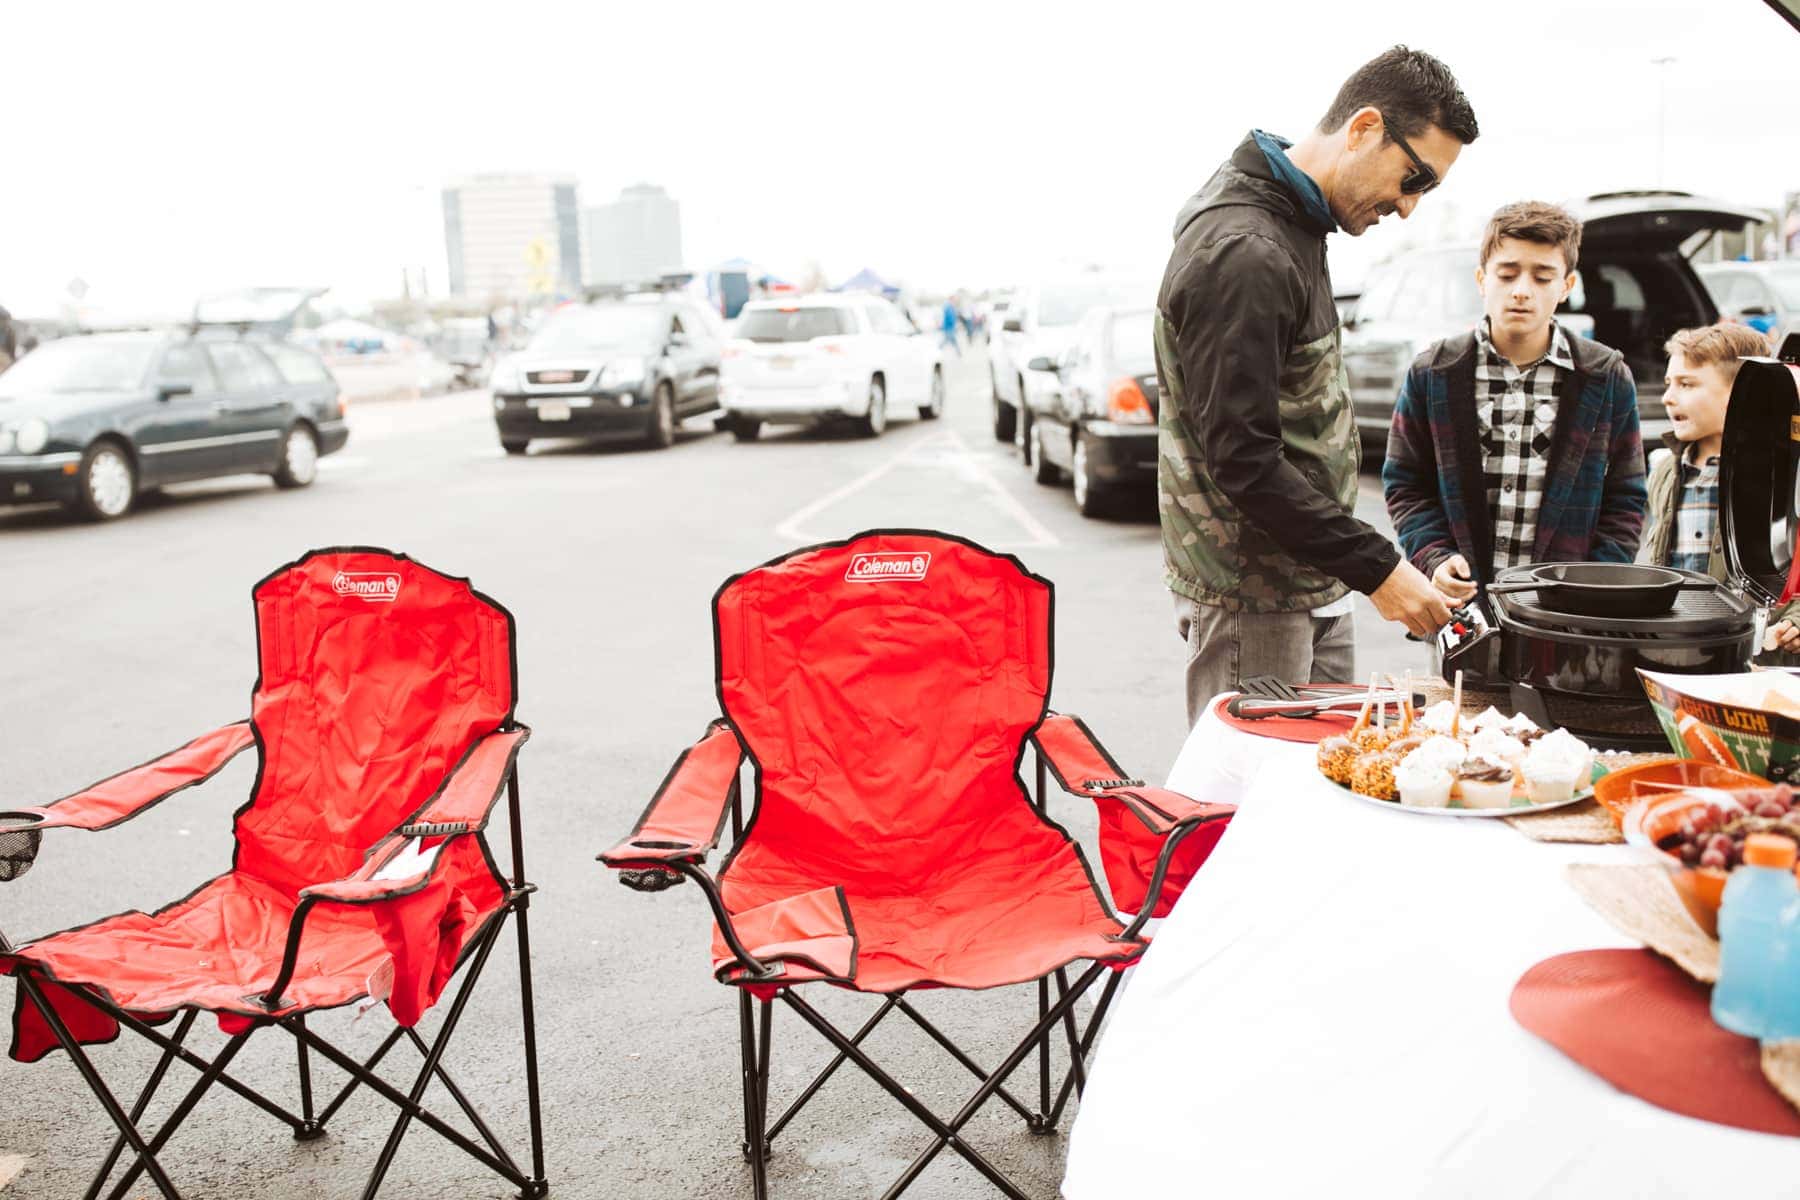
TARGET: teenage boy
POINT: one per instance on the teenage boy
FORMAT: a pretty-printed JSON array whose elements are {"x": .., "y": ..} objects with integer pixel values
[
  {"x": 1684, "y": 483},
  {"x": 1516, "y": 442}
]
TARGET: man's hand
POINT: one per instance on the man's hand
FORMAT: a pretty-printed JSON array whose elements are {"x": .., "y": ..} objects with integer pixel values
[
  {"x": 1453, "y": 578},
  {"x": 1408, "y": 597},
  {"x": 1782, "y": 635}
]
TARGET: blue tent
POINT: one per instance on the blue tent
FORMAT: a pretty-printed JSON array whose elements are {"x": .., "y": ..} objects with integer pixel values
[{"x": 866, "y": 280}]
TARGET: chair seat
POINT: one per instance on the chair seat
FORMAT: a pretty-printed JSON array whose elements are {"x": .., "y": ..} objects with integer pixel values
[
  {"x": 217, "y": 949},
  {"x": 979, "y": 930}
]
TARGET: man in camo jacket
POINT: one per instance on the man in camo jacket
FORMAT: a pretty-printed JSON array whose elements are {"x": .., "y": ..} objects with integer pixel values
[{"x": 1257, "y": 471}]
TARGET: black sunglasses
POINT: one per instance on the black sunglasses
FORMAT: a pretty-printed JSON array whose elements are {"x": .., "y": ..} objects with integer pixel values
[{"x": 1420, "y": 180}]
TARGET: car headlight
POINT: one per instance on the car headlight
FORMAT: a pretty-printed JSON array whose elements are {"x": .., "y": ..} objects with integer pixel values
[
  {"x": 31, "y": 436},
  {"x": 622, "y": 372},
  {"x": 505, "y": 378}
]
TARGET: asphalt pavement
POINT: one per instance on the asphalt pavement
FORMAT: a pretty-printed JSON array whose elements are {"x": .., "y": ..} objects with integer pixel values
[{"x": 124, "y": 640}]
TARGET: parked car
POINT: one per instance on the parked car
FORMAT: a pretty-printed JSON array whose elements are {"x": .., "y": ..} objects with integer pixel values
[
  {"x": 1100, "y": 430},
  {"x": 624, "y": 369},
  {"x": 828, "y": 357},
  {"x": 1635, "y": 286},
  {"x": 1038, "y": 324},
  {"x": 92, "y": 421},
  {"x": 464, "y": 344},
  {"x": 1762, "y": 295}
]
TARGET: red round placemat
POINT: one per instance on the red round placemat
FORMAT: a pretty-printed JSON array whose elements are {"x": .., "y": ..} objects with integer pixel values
[
  {"x": 1639, "y": 1023},
  {"x": 1311, "y": 730}
]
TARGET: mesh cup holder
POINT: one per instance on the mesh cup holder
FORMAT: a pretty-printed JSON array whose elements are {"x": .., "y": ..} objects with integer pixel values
[{"x": 20, "y": 838}]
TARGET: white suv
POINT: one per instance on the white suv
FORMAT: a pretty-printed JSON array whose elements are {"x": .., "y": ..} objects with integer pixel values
[
  {"x": 1040, "y": 323},
  {"x": 816, "y": 358}
]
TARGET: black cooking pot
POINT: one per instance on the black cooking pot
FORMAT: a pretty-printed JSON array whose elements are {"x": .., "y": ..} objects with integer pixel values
[{"x": 1598, "y": 589}]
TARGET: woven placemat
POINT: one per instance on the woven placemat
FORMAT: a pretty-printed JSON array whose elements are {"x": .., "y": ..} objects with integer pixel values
[
  {"x": 1781, "y": 1067},
  {"x": 1586, "y": 822},
  {"x": 1640, "y": 902}
]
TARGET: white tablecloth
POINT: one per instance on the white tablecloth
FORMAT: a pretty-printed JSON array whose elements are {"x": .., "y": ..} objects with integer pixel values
[{"x": 1325, "y": 1014}]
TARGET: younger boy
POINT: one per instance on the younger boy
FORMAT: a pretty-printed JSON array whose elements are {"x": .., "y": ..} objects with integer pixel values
[
  {"x": 1684, "y": 483},
  {"x": 1516, "y": 442}
]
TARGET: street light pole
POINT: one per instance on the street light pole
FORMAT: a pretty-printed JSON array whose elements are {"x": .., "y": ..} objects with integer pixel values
[{"x": 1662, "y": 116}]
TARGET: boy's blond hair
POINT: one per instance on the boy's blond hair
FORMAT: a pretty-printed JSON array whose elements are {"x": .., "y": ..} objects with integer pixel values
[{"x": 1720, "y": 346}]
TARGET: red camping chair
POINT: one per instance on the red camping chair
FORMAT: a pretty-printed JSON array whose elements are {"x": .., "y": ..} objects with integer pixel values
[
  {"x": 383, "y": 719},
  {"x": 884, "y": 690}
]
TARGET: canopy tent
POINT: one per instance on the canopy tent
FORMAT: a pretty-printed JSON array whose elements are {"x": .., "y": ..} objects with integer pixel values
[{"x": 867, "y": 280}]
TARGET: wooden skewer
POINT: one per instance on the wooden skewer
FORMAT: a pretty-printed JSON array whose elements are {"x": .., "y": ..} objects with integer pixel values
[
  {"x": 1405, "y": 704},
  {"x": 1456, "y": 706},
  {"x": 1362, "y": 718}
]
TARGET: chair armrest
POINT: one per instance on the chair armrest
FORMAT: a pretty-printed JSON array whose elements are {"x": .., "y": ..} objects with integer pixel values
[
  {"x": 686, "y": 816},
  {"x": 118, "y": 798},
  {"x": 403, "y": 861}
]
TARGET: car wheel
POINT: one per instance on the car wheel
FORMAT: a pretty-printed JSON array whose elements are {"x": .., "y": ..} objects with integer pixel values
[
  {"x": 513, "y": 447},
  {"x": 661, "y": 434},
  {"x": 934, "y": 407},
  {"x": 744, "y": 429},
  {"x": 1090, "y": 498},
  {"x": 299, "y": 464},
  {"x": 1022, "y": 428},
  {"x": 106, "y": 482},
  {"x": 1004, "y": 416},
  {"x": 1042, "y": 469},
  {"x": 876, "y": 421}
]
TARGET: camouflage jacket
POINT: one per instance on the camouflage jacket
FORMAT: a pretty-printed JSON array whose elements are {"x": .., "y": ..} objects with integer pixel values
[{"x": 1258, "y": 451}]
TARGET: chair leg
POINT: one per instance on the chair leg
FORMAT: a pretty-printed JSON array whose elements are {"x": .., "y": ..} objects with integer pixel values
[
  {"x": 1036, "y": 1122},
  {"x": 948, "y": 1134},
  {"x": 201, "y": 1086},
  {"x": 755, "y": 1145},
  {"x": 404, "y": 1120},
  {"x": 538, "y": 1186},
  {"x": 1087, "y": 1043},
  {"x": 311, "y": 1128},
  {"x": 373, "y": 1061},
  {"x": 818, "y": 1082},
  {"x": 143, "y": 1101},
  {"x": 127, "y": 1129}
]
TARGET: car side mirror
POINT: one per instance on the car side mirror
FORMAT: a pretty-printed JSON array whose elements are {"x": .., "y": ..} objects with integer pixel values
[
  {"x": 678, "y": 340},
  {"x": 172, "y": 389},
  {"x": 1013, "y": 325},
  {"x": 1041, "y": 363}
]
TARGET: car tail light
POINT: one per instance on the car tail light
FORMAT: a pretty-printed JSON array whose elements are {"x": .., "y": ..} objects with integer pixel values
[
  {"x": 343, "y": 406},
  {"x": 829, "y": 346},
  {"x": 1125, "y": 403}
]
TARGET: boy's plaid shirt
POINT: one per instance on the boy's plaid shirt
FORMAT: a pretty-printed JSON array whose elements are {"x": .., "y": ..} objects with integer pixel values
[
  {"x": 1697, "y": 514},
  {"x": 1515, "y": 409}
]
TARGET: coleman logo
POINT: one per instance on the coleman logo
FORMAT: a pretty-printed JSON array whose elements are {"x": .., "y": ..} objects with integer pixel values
[
  {"x": 367, "y": 585},
  {"x": 879, "y": 568}
]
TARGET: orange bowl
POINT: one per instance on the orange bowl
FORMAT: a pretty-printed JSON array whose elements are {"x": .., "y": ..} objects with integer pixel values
[
  {"x": 1654, "y": 818},
  {"x": 1618, "y": 790}
]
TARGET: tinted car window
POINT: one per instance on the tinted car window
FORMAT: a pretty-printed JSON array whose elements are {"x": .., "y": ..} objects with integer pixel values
[
  {"x": 793, "y": 325},
  {"x": 243, "y": 368},
  {"x": 602, "y": 327},
  {"x": 297, "y": 366},
  {"x": 1064, "y": 304},
  {"x": 187, "y": 365},
  {"x": 1132, "y": 343},
  {"x": 81, "y": 365}
]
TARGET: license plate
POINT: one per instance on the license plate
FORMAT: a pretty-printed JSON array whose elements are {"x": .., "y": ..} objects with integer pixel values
[
  {"x": 782, "y": 364},
  {"x": 555, "y": 377},
  {"x": 553, "y": 412}
]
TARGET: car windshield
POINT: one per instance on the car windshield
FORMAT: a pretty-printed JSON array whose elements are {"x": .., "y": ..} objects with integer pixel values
[
  {"x": 1065, "y": 304},
  {"x": 610, "y": 327},
  {"x": 792, "y": 324},
  {"x": 1133, "y": 344},
  {"x": 80, "y": 365}
]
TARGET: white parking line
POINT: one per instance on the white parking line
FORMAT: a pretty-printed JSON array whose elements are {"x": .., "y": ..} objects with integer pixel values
[
  {"x": 10, "y": 1166},
  {"x": 337, "y": 462},
  {"x": 946, "y": 451}
]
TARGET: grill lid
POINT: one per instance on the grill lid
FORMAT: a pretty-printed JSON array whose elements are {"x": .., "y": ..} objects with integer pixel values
[
  {"x": 1698, "y": 612},
  {"x": 1759, "y": 504}
]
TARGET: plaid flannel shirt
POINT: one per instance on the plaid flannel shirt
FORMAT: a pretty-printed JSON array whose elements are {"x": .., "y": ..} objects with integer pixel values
[
  {"x": 1697, "y": 514},
  {"x": 1516, "y": 415}
]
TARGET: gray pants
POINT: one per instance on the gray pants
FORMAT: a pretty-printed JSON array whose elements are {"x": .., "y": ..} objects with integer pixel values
[{"x": 1224, "y": 647}]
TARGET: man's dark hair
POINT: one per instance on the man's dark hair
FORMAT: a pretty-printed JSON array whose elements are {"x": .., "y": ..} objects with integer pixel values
[{"x": 1413, "y": 91}]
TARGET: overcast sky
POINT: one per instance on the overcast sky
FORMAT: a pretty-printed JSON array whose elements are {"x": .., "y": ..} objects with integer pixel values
[{"x": 164, "y": 150}]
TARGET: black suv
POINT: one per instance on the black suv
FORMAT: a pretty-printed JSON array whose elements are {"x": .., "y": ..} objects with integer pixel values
[
  {"x": 92, "y": 421},
  {"x": 630, "y": 368},
  {"x": 1634, "y": 287}
]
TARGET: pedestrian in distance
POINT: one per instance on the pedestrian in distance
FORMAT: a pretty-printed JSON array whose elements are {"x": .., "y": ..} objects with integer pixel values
[
  {"x": 949, "y": 327},
  {"x": 1257, "y": 479},
  {"x": 1518, "y": 441}
]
